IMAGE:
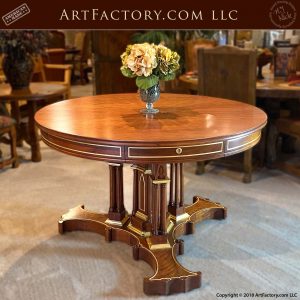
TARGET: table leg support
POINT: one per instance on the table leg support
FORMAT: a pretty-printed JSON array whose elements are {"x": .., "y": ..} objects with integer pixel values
[
  {"x": 33, "y": 133},
  {"x": 176, "y": 198},
  {"x": 116, "y": 208},
  {"x": 158, "y": 247}
]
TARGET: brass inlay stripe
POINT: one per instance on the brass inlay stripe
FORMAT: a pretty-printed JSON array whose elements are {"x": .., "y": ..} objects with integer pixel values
[
  {"x": 242, "y": 145},
  {"x": 85, "y": 152},
  {"x": 170, "y": 156},
  {"x": 85, "y": 143}
]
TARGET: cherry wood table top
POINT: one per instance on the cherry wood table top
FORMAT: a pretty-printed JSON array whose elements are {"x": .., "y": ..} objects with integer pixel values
[
  {"x": 266, "y": 88},
  {"x": 36, "y": 91},
  {"x": 188, "y": 127}
]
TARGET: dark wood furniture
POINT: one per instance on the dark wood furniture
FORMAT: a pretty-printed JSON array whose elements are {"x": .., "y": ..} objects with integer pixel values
[
  {"x": 277, "y": 89},
  {"x": 107, "y": 47},
  {"x": 56, "y": 39},
  {"x": 267, "y": 88},
  {"x": 270, "y": 94},
  {"x": 59, "y": 74},
  {"x": 188, "y": 128},
  {"x": 228, "y": 72},
  {"x": 291, "y": 127},
  {"x": 7, "y": 126},
  {"x": 35, "y": 96},
  {"x": 191, "y": 52},
  {"x": 80, "y": 60}
]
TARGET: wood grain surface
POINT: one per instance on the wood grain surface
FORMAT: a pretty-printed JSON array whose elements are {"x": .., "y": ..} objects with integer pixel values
[
  {"x": 111, "y": 127},
  {"x": 266, "y": 88},
  {"x": 36, "y": 91}
]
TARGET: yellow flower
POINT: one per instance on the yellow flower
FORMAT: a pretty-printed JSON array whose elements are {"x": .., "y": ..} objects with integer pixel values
[
  {"x": 168, "y": 60},
  {"x": 140, "y": 59}
]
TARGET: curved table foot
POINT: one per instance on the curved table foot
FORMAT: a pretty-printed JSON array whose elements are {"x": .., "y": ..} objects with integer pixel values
[{"x": 158, "y": 251}]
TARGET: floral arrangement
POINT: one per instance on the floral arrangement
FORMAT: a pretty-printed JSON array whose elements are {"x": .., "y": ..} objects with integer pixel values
[
  {"x": 19, "y": 43},
  {"x": 149, "y": 63}
]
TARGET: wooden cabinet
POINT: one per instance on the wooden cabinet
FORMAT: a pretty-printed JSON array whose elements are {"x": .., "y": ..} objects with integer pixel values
[{"x": 107, "y": 47}]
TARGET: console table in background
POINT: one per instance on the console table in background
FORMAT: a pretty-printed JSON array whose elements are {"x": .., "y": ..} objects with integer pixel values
[
  {"x": 37, "y": 92},
  {"x": 188, "y": 128}
]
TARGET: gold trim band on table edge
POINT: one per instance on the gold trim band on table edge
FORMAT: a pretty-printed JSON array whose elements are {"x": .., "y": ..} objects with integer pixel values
[
  {"x": 85, "y": 152},
  {"x": 243, "y": 145}
]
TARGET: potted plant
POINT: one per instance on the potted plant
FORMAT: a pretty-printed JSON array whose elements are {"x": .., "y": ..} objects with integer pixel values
[
  {"x": 149, "y": 64},
  {"x": 18, "y": 47}
]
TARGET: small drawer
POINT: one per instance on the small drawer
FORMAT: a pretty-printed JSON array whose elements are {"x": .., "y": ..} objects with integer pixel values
[{"x": 173, "y": 152}]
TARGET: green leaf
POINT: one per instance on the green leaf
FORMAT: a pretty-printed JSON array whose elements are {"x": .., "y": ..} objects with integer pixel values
[
  {"x": 144, "y": 83},
  {"x": 127, "y": 72},
  {"x": 167, "y": 77}
]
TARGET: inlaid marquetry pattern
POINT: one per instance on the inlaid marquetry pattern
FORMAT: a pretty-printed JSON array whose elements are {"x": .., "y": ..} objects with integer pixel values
[{"x": 188, "y": 128}]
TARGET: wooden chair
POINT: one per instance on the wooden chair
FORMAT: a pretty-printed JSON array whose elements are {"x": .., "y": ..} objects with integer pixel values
[
  {"x": 228, "y": 72},
  {"x": 81, "y": 61},
  {"x": 190, "y": 49},
  {"x": 7, "y": 126},
  {"x": 40, "y": 69},
  {"x": 56, "y": 39},
  {"x": 289, "y": 126},
  {"x": 55, "y": 56},
  {"x": 2, "y": 76}
]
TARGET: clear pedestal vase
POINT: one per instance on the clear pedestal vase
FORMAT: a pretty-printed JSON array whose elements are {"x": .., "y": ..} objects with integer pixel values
[{"x": 149, "y": 96}]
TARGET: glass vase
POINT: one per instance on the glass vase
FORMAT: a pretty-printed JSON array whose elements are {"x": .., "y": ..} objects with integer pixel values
[{"x": 149, "y": 96}]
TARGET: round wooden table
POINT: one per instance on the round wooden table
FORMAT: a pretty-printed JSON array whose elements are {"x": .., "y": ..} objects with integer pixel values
[
  {"x": 187, "y": 128},
  {"x": 37, "y": 92},
  {"x": 267, "y": 88}
]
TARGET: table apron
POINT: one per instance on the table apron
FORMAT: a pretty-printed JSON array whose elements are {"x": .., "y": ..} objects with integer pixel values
[{"x": 153, "y": 154}]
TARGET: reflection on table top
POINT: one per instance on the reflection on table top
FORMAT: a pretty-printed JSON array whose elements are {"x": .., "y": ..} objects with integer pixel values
[
  {"x": 117, "y": 117},
  {"x": 36, "y": 91},
  {"x": 267, "y": 88}
]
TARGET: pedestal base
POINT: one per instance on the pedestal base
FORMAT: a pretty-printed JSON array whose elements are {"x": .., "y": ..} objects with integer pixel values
[{"x": 158, "y": 251}]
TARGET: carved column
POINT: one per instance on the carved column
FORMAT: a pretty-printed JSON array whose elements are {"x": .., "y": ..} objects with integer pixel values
[
  {"x": 116, "y": 207},
  {"x": 135, "y": 191},
  {"x": 163, "y": 209},
  {"x": 159, "y": 200},
  {"x": 141, "y": 208},
  {"x": 176, "y": 198}
]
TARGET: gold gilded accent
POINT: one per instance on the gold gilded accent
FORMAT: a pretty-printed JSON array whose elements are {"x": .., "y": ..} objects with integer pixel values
[
  {"x": 139, "y": 232},
  {"x": 170, "y": 226},
  {"x": 157, "y": 246},
  {"x": 161, "y": 181},
  {"x": 179, "y": 150},
  {"x": 139, "y": 168},
  {"x": 141, "y": 215},
  {"x": 116, "y": 223},
  {"x": 181, "y": 217}
]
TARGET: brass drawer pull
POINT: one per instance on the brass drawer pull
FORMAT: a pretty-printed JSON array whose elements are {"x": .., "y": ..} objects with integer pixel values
[{"x": 179, "y": 150}]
